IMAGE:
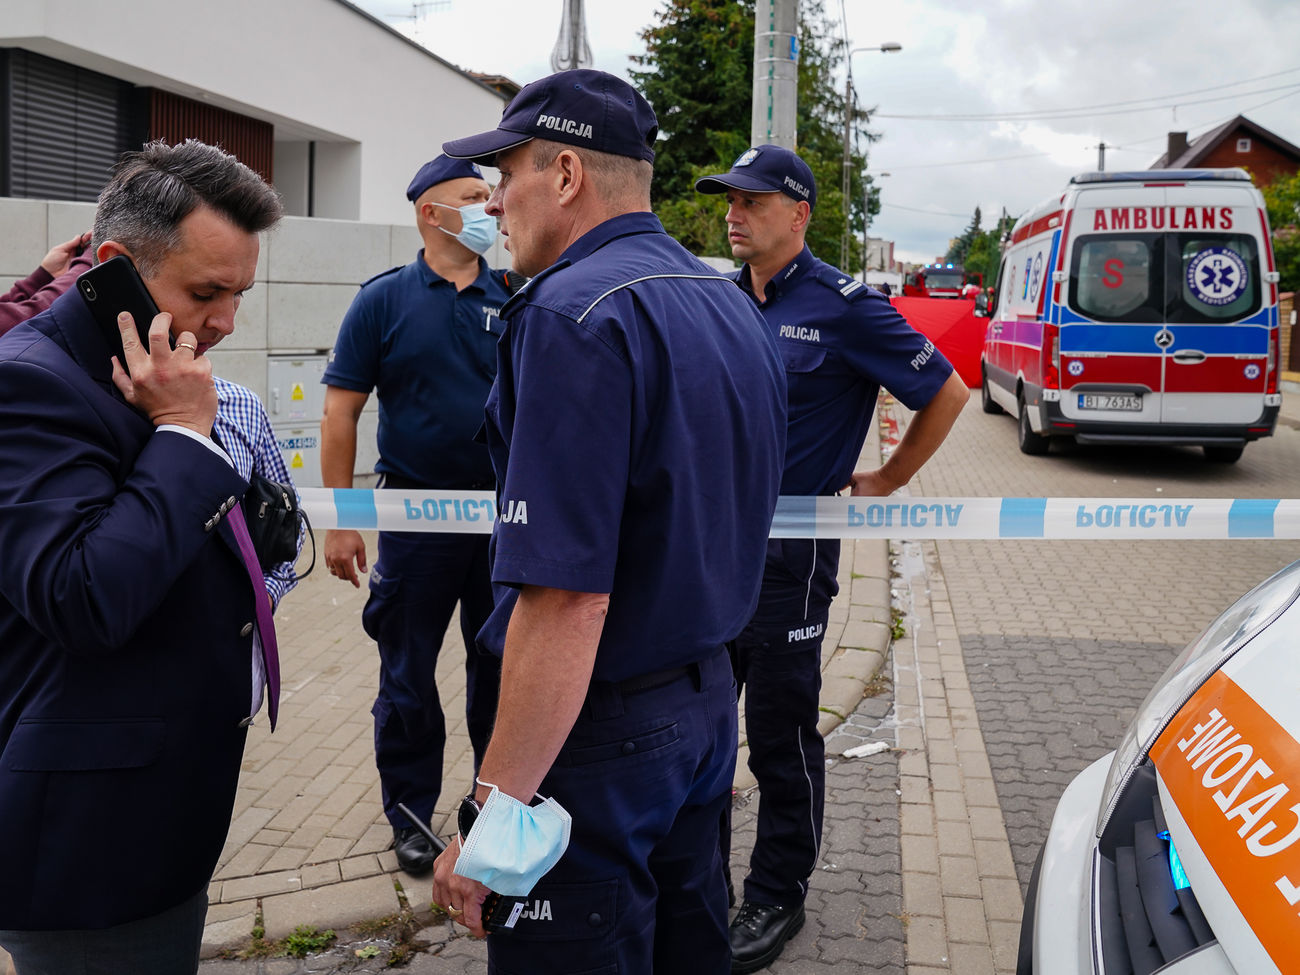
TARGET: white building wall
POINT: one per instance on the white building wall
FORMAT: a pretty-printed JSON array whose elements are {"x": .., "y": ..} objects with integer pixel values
[{"x": 377, "y": 105}]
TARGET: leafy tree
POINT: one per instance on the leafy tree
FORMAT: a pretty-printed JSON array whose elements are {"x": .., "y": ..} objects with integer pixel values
[
  {"x": 980, "y": 250},
  {"x": 698, "y": 76},
  {"x": 984, "y": 256},
  {"x": 960, "y": 246},
  {"x": 697, "y": 72},
  {"x": 820, "y": 130},
  {"x": 1282, "y": 200}
]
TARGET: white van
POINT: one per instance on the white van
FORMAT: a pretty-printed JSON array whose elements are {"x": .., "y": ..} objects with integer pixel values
[{"x": 1138, "y": 307}]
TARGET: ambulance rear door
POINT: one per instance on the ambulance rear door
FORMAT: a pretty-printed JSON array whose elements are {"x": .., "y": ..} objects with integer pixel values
[
  {"x": 1217, "y": 313},
  {"x": 1111, "y": 364},
  {"x": 1167, "y": 310}
]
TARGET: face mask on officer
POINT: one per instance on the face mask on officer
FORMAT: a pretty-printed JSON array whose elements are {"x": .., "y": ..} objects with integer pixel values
[{"x": 478, "y": 229}]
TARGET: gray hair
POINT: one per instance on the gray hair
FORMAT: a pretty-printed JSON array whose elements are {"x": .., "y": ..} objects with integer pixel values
[
  {"x": 616, "y": 177},
  {"x": 153, "y": 190}
]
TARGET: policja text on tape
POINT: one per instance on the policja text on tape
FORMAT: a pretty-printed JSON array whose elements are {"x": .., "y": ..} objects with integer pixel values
[{"x": 474, "y": 512}]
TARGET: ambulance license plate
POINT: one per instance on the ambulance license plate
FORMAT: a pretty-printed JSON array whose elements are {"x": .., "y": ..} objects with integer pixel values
[{"x": 1104, "y": 401}]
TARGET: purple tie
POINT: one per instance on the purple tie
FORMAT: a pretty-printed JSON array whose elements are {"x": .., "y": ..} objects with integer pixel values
[{"x": 262, "y": 611}]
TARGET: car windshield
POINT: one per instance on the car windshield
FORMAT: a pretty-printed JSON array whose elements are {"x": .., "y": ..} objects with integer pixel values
[
  {"x": 1177, "y": 277},
  {"x": 943, "y": 279}
]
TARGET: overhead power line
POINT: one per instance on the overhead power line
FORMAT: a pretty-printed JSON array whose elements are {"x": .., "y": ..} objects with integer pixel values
[
  {"x": 966, "y": 162},
  {"x": 1073, "y": 113},
  {"x": 928, "y": 213}
]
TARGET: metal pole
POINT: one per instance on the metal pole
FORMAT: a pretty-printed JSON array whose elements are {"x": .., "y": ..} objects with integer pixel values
[
  {"x": 844, "y": 169},
  {"x": 776, "y": 73}
]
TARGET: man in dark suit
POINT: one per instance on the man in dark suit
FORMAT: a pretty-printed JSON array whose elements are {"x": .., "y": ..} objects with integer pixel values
[{"x": 133, "y": 652}]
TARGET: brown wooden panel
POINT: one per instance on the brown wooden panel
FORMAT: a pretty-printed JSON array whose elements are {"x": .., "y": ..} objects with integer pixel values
[{"x": 174, "y": 118}]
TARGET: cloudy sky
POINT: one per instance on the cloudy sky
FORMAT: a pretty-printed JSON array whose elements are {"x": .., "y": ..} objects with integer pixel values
[{"x": 991, "y": 103}]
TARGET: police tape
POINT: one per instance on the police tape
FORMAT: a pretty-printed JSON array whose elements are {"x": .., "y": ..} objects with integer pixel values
[{"x": 475, "y": 512}]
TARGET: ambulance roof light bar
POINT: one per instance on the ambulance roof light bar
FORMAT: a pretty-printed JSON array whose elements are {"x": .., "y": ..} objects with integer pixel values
[{"x": 1146, "y": 175}]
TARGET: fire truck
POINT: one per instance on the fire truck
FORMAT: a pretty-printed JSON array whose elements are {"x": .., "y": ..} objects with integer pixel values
[{"x": 942, "y": 281}]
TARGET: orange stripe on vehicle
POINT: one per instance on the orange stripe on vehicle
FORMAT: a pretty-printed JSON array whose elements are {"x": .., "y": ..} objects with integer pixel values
[{"x": 1234, "y": 774}]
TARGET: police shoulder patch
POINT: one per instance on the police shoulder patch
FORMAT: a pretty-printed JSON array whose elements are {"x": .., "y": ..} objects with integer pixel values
[{"x": 848, "y": 288}]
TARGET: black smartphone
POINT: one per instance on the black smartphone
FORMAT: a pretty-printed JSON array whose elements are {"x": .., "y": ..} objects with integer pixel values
[{"x": 111, "y": 288}]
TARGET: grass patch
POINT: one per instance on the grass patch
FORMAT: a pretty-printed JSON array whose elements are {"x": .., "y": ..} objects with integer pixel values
[
  {"x": 896, "y": 629},
  {"x": 306, "y": 940},
  {"x": 401, "y": 954}
]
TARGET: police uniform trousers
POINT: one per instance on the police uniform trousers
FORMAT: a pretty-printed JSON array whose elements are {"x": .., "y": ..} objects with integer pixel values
[
  {"x": 777, "y": 662},
  {"x": 645, "y": 774},
  {"x": 415, "y": 584}
]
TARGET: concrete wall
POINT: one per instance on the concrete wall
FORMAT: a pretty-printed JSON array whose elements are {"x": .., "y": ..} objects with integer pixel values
[
  {"x": 308, "y": 272},
  {"x": 376, "y": 105}
]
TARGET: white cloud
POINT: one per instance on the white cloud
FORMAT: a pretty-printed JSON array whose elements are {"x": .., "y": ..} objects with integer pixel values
[{"x": 977, "y": 56}]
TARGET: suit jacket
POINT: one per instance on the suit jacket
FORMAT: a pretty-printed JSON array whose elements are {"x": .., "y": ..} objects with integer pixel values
[{"x": 124, "y": 641}]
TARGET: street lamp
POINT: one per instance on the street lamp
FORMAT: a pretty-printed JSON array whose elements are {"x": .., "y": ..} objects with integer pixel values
[{"x": 887, "y": 48}]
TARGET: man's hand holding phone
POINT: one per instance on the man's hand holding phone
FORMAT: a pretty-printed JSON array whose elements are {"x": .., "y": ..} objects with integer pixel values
[{"x": 168, "y": 385}]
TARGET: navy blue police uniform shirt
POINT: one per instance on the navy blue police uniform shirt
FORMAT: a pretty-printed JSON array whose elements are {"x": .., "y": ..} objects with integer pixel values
[
  {"x": 430, "y": 353},
  {"x": 637, "y": 427},
  {"x": 840, "y": 341}
]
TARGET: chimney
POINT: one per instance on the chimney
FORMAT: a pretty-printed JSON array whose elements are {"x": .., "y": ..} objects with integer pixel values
[{"x": 1177, "y": 146}]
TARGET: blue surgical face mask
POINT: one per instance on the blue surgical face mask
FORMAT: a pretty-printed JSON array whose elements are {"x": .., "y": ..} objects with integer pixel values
[
  {"x": 512, "y": 845},
  {"x": 478, "y": 230}
]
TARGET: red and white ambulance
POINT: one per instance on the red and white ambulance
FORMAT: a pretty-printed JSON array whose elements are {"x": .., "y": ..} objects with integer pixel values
[{"x": 1138, "y": 307}]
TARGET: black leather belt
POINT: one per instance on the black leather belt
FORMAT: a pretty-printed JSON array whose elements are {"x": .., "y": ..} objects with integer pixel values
[{"x": 656, "y": 678}]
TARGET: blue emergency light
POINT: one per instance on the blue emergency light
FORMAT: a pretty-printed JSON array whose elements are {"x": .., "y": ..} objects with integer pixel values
[{"x": 1175, "y": 864}]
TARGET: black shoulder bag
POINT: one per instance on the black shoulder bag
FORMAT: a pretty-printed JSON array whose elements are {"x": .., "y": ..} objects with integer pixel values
[{"x": 274, "y": 515}]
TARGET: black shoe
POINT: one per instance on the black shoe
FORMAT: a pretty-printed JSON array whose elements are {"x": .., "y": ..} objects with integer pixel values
[
  {"x": 414, "y": 851},
  {"x": 759, "y": 932}
]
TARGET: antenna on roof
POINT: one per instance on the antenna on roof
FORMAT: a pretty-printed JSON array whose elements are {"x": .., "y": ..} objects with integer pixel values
[
  {"x": 572, "y": 49},
  {"x": 421, "y": 7}
]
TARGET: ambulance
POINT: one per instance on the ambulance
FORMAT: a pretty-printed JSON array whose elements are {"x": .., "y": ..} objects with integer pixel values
[
  {"x": 1179, "y": 852},
  {"x": 1138, "y": 308}
]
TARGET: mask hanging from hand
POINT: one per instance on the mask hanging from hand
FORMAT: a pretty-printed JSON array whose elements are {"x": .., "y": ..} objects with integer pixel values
[{"x": 512, "y": 845}]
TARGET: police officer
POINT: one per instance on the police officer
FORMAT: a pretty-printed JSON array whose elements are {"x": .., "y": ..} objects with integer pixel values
[
  {"x": 841, "y": 341},
  {"x": 424, "y": 336},
  {"x": 637, "y": 429}
]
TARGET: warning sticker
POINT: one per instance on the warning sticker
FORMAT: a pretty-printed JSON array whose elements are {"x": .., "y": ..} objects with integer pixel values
[
  {"x": 1217, "y": 276},
  {"x": 1234, "y": 772}
]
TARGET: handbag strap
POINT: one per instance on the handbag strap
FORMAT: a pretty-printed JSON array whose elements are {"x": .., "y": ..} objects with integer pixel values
[{"x": 301, "y": 512}]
